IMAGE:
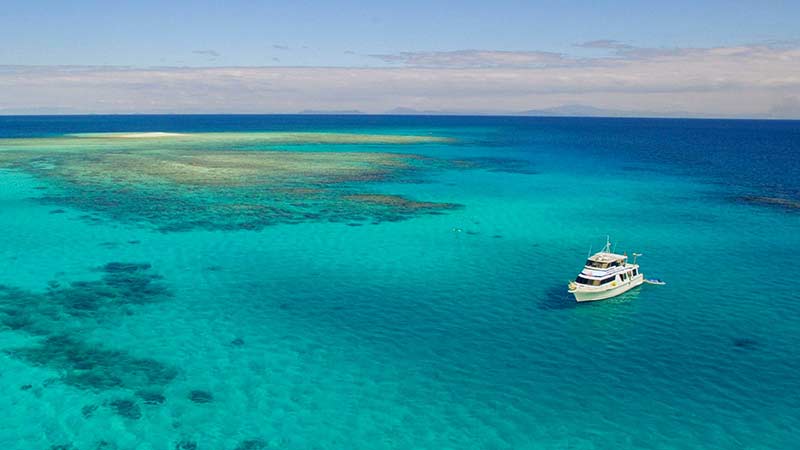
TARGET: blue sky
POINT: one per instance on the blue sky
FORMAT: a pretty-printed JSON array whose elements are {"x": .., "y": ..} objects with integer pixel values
[
  {"x": 341, "y": 33},
  {"x": 634, "y": 44}
]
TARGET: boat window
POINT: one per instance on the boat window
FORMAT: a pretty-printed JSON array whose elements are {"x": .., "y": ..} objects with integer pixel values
[
  {"x": 603, "y": 265},
  {"x": 634, "y": 272},
  {"x": 589, "y": 282},
  {"x": 596, "y": 264}
]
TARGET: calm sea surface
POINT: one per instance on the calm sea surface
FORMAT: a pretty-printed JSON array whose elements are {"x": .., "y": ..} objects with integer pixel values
[{"x": 397, "y": 295}]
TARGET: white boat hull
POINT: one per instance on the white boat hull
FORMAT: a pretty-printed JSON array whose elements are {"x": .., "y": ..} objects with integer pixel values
[{"x": 592, "y": 293}]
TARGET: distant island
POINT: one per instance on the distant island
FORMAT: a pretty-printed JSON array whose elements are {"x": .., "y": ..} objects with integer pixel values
[
  {"x": 336, "y": 112},
  {"x": 577, "y": 110},
  {"x": 572, "y": 110}
]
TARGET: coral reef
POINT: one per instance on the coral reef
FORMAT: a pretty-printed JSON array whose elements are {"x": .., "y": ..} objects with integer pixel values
[{"x": 222, "y": 181}]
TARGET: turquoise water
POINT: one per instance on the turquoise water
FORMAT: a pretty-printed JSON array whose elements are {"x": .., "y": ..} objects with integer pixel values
[{"x": 441, "y": 328}]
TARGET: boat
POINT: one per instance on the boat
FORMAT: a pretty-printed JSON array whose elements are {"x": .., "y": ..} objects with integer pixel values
[
  {"x": 655, "y": 281},
  {"x": 605, "y": 275}
]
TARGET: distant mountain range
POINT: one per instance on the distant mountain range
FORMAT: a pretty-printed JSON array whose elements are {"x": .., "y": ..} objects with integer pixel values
[
  {"x": 575, "y": 110},
  {"x": 591, "y": 111},
  {"x": 571, "y": 110},
  {"x": 399, "y": 111},
  {"x": 326, "y": 111}
]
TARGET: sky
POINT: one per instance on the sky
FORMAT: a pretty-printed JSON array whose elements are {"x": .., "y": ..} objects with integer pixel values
[{"x": 695, "y": 58}]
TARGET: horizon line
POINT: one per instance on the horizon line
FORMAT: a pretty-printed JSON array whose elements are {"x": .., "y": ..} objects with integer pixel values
[{"x": 390, "y": 114}]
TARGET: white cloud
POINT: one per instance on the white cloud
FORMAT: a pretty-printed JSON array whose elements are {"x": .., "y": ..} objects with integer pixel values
[
  {"x": 604, "y": 44},
  {"x": 475, "y": 58},
  {"x": 211, "y": 53},
  {"x": 737, "y": 81}
]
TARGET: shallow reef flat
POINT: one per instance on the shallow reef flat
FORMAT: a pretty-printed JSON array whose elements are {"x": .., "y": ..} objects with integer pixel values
[
  {"x": 158, "y": 143},
  {"x": 82, "y": 142},
  {"x": 223, "y": 180},
  {"x": 270, "y": 137},
  {"x": 232, "y": 168}
]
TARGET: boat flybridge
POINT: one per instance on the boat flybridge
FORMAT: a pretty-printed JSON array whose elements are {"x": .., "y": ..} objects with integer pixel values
[{"x": 606, "y": 275}]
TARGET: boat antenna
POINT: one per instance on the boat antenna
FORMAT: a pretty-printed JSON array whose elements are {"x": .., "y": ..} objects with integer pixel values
[
  {"x": 590, "y": 252},
  {"x": 608, "y": 244},
  {"x": 636, "y": 255}
]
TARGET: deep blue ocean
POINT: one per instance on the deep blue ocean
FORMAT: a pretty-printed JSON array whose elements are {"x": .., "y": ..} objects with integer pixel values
[{"x": 282, "y": 282}]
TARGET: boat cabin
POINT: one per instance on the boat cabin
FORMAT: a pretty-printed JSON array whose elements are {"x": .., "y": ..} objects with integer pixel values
[
  {"x": 605, "y": 275},
  {"x": 623, "y": 276},
  {"x": 606, "y": 261}
]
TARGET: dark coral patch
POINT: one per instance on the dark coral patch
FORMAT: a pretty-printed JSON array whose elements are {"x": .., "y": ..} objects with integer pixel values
[
  {"x": 90, "y": 366},
  {"x": 186, "y": 445},
  {"x": 777, "y": 202},
  {"x": 150, "y": 397},
  {"x": 118, "y": 267},
  {"x": 88, "y": 410},
  {"x": 199, "y": 396},
  {"x": 122, "y": 284},
  {"x": 745, "y": 343},
  {"x": 26, "y": 311},
  {"x": 496, "y": 164},
  {"x": 252, "y": 444},
  {"x": 238, "y": 342},
  {"x": 126, "y": 408},
  {"x": 57, "y": 211},
  {"x": 391, "y": 208}
]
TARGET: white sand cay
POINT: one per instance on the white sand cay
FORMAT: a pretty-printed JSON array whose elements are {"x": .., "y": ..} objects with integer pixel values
[
  {"x": 271, "y": 137},
  {"x": 149, "y": 134},
  {"x": 127, "y": 135}
]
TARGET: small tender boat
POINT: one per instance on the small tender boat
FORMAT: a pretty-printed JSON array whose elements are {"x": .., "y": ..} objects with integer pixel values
[
  {"x": 605, "y": 275},
  {"x": 655, "y": 281}
]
